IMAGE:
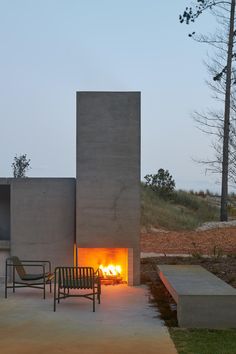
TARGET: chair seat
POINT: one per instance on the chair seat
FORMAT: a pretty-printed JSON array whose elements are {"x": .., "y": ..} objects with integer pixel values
[{"x": 29, "y": 277}]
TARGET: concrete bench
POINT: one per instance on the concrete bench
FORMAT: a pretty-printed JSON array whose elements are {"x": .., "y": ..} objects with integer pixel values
[{"x": 203, "y": 300}]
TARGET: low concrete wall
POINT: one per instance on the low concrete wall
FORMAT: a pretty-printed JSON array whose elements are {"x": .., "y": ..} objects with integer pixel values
[{"x": 43, "y": 219}]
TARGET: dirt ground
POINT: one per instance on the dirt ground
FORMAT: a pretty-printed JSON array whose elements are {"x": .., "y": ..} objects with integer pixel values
[{"x": 214, "y": 242}]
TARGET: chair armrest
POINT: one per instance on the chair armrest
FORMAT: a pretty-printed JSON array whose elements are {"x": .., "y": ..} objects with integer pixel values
[
  {"x": 29, "y": 265},
  {"x": 32, "y": 261},
  {"x": 36, "y": 261}
]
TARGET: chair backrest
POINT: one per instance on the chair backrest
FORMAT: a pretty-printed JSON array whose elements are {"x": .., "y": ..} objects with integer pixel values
[
  {"x": 18, "y": 266},
  {"x": 76, "y": 277}
]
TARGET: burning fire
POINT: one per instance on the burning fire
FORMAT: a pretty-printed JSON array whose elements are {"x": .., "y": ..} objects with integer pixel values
[{"x": 110, "y": 270}]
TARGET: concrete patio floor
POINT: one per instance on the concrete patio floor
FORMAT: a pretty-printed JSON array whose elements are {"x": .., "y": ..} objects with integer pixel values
[{"x": 124, "y": 323}]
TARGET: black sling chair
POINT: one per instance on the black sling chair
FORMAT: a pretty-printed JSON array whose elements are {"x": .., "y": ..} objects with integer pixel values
[{"x": 28, "y": 280}]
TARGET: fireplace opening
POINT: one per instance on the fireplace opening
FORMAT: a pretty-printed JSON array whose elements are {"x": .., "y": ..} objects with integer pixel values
[{"x": 111, "y": 262}]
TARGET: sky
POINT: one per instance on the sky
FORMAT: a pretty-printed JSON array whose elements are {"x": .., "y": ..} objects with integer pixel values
[{"x": 52, "y": 48}]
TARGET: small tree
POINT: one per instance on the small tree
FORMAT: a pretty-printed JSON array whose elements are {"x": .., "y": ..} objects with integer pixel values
[
  {"x": 20, "y": 165},
  {"x": 162, "y": 182}
]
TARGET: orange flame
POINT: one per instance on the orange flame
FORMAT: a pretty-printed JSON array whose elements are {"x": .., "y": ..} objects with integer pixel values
[{"x": 110, "y": 270}]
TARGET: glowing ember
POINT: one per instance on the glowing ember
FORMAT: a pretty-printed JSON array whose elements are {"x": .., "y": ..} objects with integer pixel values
[{"x": 110, "y": 270}]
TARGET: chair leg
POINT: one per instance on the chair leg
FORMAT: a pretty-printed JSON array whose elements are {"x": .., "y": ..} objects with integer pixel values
[
  {"x": 58, "y": 293},
  {"x": 99, "y": 298},
  {"x": 99, "y": 292},
  {"x": 14, "y": 275},
  {"x": 55, "y": 294},
  {"x": 44, "y": 288},
  {"x": 93, "y": 300},
  {"x": 50, "y": 271},
  {"x": 6, "y": 282}
]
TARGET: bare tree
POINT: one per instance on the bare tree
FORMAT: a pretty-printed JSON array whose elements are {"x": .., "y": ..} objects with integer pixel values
[{"x": 224, "y": 11}]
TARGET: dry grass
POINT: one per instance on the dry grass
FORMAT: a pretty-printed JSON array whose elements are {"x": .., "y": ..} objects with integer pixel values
[{"x": 182, "y": 211}]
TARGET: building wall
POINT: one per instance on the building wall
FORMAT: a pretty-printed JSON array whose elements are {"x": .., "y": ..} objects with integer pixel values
[
  {"x": 43, "y": 219},
  {"x": 108, "y": 171}
]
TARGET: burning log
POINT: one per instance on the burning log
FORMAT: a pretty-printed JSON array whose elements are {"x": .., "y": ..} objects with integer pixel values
[{"x": 111, "y": 275}]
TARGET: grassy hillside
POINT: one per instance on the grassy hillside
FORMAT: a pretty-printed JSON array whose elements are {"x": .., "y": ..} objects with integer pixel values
[{"x": 183, "y": 211}]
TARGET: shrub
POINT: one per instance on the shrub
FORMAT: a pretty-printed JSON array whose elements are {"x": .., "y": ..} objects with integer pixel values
[{"x": 162, "y": 182}]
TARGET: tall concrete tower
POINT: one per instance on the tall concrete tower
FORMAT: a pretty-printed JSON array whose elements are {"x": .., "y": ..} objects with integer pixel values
[{"x": 108, "y": 179}]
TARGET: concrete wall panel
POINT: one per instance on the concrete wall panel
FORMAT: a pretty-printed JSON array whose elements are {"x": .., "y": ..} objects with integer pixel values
[{"x": 43, "y": 219}]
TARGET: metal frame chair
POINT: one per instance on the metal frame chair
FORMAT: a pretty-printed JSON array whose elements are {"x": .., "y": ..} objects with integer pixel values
[
  {"x": 28, "y": 280},
  {"x": 77, "y": 278}
]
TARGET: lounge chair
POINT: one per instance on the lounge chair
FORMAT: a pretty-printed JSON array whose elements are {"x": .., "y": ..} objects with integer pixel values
[
  {"x": 83, "y": 279},
  {"x": 25, "y": 279}
]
